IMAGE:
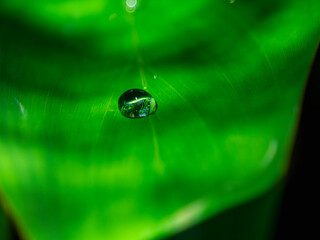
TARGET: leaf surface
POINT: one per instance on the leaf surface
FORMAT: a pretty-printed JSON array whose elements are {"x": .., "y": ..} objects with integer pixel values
[{"x": 228, "y": 80}]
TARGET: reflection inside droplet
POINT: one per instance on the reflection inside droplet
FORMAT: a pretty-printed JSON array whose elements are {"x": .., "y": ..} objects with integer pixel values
[{"x": 137, "y": 103}]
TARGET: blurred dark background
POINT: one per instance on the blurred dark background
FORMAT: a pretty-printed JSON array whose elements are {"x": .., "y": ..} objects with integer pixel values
[
  {"x": 297, "y": 216},
  {"x": 288, "y": 211}
]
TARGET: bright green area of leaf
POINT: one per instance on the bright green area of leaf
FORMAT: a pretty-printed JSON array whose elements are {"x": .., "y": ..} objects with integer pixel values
[{"x": 228, "y": 80}]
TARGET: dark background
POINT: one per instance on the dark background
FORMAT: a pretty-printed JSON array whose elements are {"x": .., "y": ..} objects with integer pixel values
[{"x": 297, "y": 217}]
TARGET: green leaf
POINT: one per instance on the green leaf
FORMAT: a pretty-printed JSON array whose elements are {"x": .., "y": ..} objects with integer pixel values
[{"x": 228, "y": 80}]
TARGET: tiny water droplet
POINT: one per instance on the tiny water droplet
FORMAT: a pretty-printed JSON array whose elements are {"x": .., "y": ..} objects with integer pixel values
[
  {"x": 131, "y": 5},
  {"x": 155, "y": 76},
  {"x": 137, "y": 103}
]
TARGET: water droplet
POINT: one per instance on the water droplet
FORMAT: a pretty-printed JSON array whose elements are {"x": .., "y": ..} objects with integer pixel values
[
  {"x": 131, "y": 5},
  {"x": 155, "y": 76},
  {"x": 137, "y": 103}
]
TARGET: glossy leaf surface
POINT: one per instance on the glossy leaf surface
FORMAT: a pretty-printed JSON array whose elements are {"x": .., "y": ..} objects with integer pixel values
[{"x": 228, "y": 80}]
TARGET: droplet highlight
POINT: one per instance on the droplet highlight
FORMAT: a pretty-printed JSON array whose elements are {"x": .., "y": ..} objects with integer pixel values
[{"x": 137, "y": 103}]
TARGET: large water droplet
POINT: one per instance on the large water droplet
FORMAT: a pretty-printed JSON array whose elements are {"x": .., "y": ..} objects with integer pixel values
[{"x": 137, "y": 103}]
